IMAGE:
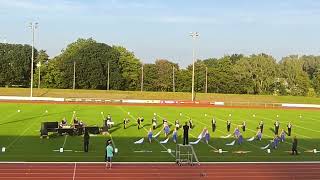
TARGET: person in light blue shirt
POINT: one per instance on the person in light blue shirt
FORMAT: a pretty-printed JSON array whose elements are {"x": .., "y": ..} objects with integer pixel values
[{"x": 109, "y": 154}]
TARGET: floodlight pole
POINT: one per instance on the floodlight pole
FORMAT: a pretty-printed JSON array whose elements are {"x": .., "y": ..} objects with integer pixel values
[
  {"x": 39, "y": 66},
  {"x": 173, "y": 82},
  {"x": 141, "y": 78},
  {"x": 206, "y": 91},
  {"x": 33, "y": 26},
  {"x": 74, "y": 75},
  {"x": 194, "y": 35},
  {"x": 108, "y": 82}
]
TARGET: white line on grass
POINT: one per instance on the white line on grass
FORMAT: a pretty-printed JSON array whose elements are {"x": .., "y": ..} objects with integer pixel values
[
  {"x": 269, "y": 136},
  {"x": 147, "y": 131},
  {"x": 20, "y": 135},
  {"x": 190, "y": 134},
  {"x": 7, "y": 117},
  {"x": 217, "y": 129},
  {"x": 295, "y": 126},
  {"x": 65, "y": 140},
  {"x": 294, "y": 133}
]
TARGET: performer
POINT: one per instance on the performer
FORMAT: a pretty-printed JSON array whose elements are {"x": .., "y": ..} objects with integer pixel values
[
  {"x": 207, "y": 136},
  {"x": 244, "y": 126},
  {"x": 276, "y": 127},
  {"x": 164, "y": 121},
  {"x": 175, "y": 135},
  {"x": 190, "y": 123},
  {"x": 109, "y": 154},
  {"x": 213, "y": 124},
  {"x": 236, "y": 133},
  {"x": 282, "y": 135},
  {"x": 154, "y": 122},
  {"x": 177, "y": 124},
  {"x": 63, "y": 122},
  {"x": 261, "y": 126},
  {"x": 185, "y": 134},
  {"x": 86, "y": 139},
  {"x": 109, "y": 117},
  {"x": 240, "y": 139},
  {"x": 295, "y": 146},
  {"x": 166, "y": 129},
  {"x": 275, "y": 142},
  {"x": 125, "y": 122},
  {"x": 139, "y": 122},
  {"x": 289, "y": 128},
  {"x": 228, "y": 125},
  {"x": 75, "y": 122},
  {"x": 150, "y": 135},
  {"x": 259, "y": 134}
]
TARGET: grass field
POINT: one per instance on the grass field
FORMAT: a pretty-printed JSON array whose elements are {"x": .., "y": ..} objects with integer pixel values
[
  {"x": 19, "y": 133},
  {"x": 69, "y": 93}
]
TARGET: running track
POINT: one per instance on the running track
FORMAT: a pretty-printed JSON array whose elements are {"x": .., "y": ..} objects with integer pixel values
[{"x": 82, "y": 171}]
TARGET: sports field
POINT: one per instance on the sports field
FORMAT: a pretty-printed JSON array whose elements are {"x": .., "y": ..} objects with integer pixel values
[{"x": 19, "y": 133}]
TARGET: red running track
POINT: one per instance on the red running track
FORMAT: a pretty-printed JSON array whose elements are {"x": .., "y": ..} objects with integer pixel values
[{"x": 83, "y": 171}]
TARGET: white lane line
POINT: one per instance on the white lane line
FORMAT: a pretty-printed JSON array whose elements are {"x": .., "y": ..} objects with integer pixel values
[{"x": 74, "y": 171}]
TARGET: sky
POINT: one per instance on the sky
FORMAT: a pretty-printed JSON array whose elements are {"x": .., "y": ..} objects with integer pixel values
[{"x": 155, "y": 29}]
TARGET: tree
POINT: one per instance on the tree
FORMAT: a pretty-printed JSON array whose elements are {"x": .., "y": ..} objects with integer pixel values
[
  {"x": 183, "y": 81},
  {"x": 164, "y": 74},
  {"x": 92, "y": 61},
  {"x": 131, "y": 68},
  {"x": 256, "y": 73},
  {"x": 149, "y": 77},
  {"x": 15, "y": 64},
  {"x": 298, "y": 81}
]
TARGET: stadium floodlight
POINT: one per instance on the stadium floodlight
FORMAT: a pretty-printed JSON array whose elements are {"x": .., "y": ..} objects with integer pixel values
[
  {"x": 194, "y": 36},
  {"x": 33, "y": 26}
]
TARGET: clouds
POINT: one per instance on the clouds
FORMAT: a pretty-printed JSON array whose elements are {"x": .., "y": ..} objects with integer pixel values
[{"x": 233, "y": 25}]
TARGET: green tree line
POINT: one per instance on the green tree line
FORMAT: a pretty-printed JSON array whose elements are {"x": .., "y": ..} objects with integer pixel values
[{"x": 236, "y": 74}]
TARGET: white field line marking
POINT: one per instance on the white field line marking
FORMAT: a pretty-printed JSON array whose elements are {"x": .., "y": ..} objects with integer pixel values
[
  {"x": 21, "y": 134},
  {"x": 147, "y": 131},
  {"x": 294, "y": 125},
  {"x": 270, "y": 136},
  {"x": 246, "y": 128},
  {"x": 74, "y": 170},
  {"x": 217, "y": 130},
  {"x": 65, "y": 140},
  {"x": 7, "y": 117},
  {"x": 190, "y": 133}
]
